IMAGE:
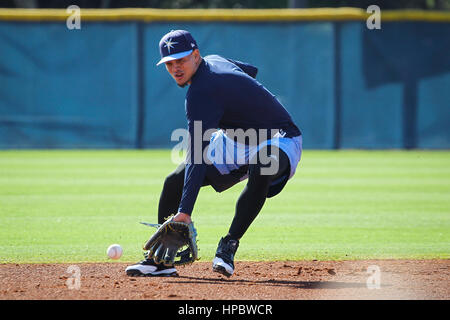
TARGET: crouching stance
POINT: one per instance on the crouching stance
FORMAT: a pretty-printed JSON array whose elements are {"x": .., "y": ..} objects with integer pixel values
[{"x": 251, "y": 137}]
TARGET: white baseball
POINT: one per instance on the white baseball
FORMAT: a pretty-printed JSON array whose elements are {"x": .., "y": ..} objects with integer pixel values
[{"x": 114, "y": 251}]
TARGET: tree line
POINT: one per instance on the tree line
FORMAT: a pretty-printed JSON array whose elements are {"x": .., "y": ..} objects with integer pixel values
[{"x": 210, "y": 4}]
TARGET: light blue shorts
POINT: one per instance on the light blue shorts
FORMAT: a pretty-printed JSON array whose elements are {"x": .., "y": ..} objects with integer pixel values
[{"x": 228, "y": 156}]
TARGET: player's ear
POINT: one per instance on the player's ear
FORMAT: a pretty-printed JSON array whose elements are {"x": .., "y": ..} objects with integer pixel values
[{"x": 196, "y": 54}]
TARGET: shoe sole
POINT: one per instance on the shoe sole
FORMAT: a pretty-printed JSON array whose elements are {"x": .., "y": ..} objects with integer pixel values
[
  {"x": 137, "y": 273},
  {"x": 222, "y": 270},
  {"x": 222, "y": 267}
]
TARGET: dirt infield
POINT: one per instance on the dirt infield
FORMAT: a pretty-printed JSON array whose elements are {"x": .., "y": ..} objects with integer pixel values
[{"x": 289, "y": 280}]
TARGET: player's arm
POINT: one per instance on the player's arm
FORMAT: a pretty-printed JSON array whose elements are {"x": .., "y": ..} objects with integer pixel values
[{"x": 205, "y": 109}]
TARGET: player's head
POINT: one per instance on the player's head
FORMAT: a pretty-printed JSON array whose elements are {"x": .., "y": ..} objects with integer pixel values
[{"x": 179, "y": 52}]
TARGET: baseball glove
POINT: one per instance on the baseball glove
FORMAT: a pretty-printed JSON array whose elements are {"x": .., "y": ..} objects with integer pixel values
[{"x": 172, "y": 240}]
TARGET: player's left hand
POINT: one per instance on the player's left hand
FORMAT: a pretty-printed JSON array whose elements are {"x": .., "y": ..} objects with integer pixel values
[{"x": 168, "y": 241}]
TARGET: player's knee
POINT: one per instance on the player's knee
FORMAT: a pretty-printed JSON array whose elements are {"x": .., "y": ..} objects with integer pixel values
[
  {"x": 256, "y": 174},
  {"x": 267, "y": 163},
  {"x": 269, "y": 167}
]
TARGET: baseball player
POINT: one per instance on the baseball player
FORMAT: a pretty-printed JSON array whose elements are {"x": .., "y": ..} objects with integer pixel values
[{"x": 224, "y": 98}]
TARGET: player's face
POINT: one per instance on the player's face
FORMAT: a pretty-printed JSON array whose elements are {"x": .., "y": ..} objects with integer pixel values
[{"x": 183, "y": 69}]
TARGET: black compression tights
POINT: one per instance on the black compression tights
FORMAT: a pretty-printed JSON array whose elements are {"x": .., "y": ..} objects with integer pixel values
[{"x": 248, "y": 206}]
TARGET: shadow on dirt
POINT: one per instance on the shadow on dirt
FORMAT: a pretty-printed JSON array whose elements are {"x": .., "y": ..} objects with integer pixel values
[{"x": 273, "y": 282}]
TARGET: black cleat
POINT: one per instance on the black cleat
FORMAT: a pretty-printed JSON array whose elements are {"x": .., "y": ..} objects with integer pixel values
[
  {"x": 148, "y": 268},
  {"x": 224, "y": 260}
]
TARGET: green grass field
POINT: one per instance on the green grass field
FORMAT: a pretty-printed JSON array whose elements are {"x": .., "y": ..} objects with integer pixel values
[{"x": 69, "y": 206}]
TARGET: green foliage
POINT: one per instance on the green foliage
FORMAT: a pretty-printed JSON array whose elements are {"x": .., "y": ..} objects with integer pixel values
[
  {"x": 210, "y": 4},
  {"x": 383, "y": 4},
  {"x": 258, "y": 4}
]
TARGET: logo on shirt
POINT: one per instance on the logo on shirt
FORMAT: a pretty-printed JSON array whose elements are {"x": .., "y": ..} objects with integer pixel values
[{"x": 169, "y": 44}]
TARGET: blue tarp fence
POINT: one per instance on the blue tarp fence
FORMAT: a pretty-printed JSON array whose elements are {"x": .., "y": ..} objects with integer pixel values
[{"x": 345, "y": 86}]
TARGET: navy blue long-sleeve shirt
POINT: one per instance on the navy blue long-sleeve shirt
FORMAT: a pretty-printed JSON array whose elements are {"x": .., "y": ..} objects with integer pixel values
[{"x": 224, "y": 94}]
